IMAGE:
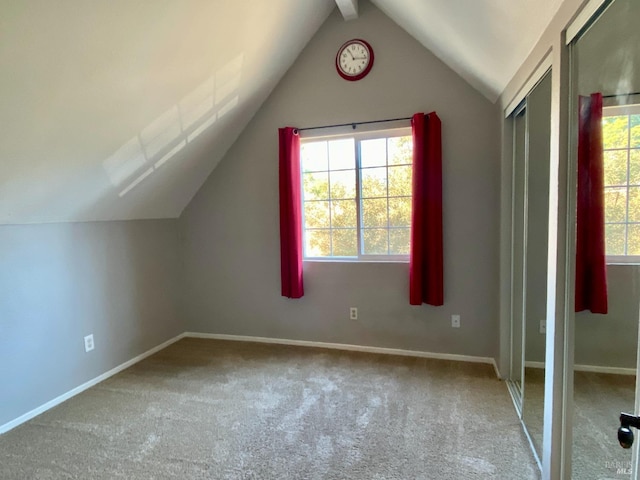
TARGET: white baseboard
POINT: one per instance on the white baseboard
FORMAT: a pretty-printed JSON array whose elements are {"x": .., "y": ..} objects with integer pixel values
[
  {"x": 72, "y": 393},
  {"x": 599, "y": 369},
  {"x": 346, "y": 347},
  {"x": 590, "y": 368},
  {"x": 534, "y": 364}
]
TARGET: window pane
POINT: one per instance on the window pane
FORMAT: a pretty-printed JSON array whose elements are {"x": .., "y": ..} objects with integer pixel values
[
  {"x": 399, "y": 181},
  {"x": 615, "y": 167},
  {"x": 374, "y": 212},
  {"x": 316, "y": 214},
  {"x": 634, "y": 121},
  {"x": 634, "y": 167},
  {"x": 314, "y": 156},
  {"x": 317, "y": 243},
  {"x": 373, "y": 153},
  {"x": 614, "y": 235},
  {"x": 342, "y": 154},
  {"x": 615, "y": 131},
  {"x": 345, "y": 243},
  {"x": 615, "y": 204},
  {"x": 338, "y": 196},
  {"x": 343, "y": 184},
  {"x": 399, "y": 241},
  {"x": 374, "y": 182},
  {"x": 634, "y": 204},
  {"x": 344, "y": 213},
  {"x": 400, "y": 212},
  {"x": 316, "y": 186},
  {"x": 633, "y": 242},
  {"x": 375, "y": 241},
  {"x": 400, "y": 150}
]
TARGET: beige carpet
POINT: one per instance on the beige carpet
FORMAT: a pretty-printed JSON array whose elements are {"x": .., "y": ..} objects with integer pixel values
[
  {"x": 204, "y": 409},
  {"x": 533, "y": 405},
  {"x": 598, "y": 400}
]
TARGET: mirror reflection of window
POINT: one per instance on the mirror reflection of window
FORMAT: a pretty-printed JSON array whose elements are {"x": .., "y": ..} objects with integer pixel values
[{"x": 621, "y": 143}]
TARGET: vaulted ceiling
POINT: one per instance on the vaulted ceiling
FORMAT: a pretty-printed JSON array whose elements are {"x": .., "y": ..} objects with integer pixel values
[
  {"x": 120, "y": 109},
  {"x": 484, "y": 41}
]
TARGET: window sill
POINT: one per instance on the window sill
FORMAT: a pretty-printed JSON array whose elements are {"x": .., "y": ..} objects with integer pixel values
[
  {"x": 354, "y": 260},
  {"x": 623, "y": 260}
]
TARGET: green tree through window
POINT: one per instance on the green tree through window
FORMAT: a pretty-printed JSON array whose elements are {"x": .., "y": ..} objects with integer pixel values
[
  {"x": 357, "y": 196},
  {"x": 621, "y": 142}
]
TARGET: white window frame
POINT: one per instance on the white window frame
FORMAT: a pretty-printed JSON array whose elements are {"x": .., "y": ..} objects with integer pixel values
[
  {"x": 612, "y": 111},
  {"x": 358, "y": 137}
]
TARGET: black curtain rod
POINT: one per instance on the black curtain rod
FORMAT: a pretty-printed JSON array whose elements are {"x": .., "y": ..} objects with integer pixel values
[
  {"x": 354, "y": 124},
  {"x": 621, "y": 95}
]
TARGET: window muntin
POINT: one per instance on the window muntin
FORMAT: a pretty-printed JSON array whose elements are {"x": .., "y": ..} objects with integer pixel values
[
  {"x": 621, "y": 143},
  {"x": 356, "y": 194}
]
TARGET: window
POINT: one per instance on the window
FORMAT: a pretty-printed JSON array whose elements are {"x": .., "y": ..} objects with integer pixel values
[
  {"x": 621, "y": 142},
  {"x": 356, "y": 195}
]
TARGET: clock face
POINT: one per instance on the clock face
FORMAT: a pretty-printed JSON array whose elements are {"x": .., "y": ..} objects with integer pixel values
[{"x": 354, "y": 59}]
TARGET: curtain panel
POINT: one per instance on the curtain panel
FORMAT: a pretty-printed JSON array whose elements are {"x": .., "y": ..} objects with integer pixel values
[
  {"x": 290, "y": 214},
  {"x": 426, "y": 282},
  {"x": 591, "y": 268}
]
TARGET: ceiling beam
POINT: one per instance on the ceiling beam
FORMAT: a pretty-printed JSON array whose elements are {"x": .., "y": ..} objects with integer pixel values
[{"x": 348, "y": 8}]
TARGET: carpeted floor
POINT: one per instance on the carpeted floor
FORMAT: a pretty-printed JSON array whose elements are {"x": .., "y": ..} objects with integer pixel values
[
  {"x": 204, "y": 409},
  {"x": 598, "y": 400},
  {"x": 533, "y": 405}
]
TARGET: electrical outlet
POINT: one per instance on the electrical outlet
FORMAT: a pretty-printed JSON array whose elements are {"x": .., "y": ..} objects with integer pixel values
[
  {"x": 353, "y": 313},
  {"x": 88, "y": 343},
  {"x": 543, "y": 327},
  {"x": 455, "y": 321}
]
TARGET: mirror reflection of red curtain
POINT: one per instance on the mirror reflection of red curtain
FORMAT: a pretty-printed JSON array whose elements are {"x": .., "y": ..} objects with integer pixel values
[
  {"x": 591, "y": 268},
  {"x": 290, "y": 214},
  {"x": 426, "y": 284}
]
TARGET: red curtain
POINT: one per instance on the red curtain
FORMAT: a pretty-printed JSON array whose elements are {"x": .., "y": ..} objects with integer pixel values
[
  {"x": 426, "y": 283},
  {"x": 290, "y": 214},
  {"x": 591, "y": 268}
]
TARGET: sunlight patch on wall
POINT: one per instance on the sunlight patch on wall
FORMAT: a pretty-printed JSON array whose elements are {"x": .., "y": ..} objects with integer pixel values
[{"x": 162, "y": 139}]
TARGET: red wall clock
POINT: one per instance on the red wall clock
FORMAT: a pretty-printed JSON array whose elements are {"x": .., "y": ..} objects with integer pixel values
[{"x": 354, "y": 59}]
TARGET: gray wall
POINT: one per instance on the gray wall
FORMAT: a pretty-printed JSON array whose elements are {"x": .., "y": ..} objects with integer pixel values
[
  {"x": 231, "y": 229},
  {"x": 612, "y": 340},
  {"x": 60, "y": 282},
  {"x": 608, "y": 61}
]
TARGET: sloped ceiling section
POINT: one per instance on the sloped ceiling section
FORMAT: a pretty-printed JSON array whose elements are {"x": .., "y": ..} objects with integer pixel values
[
  {"x": 120, "y": 109},
  {"x": 484, "y": 41}
]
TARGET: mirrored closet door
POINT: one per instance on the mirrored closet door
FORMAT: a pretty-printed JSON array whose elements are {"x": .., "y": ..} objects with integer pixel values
[
  {"x": 539, "y": 115},
  {"x": 530, "y": 217},
  {"x": 605, "y": 61}
]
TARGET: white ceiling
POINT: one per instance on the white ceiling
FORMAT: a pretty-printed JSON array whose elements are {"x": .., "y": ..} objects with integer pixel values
[
  {"x": 484, "y": 41},
  {"x": 120, "y": 109}
]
